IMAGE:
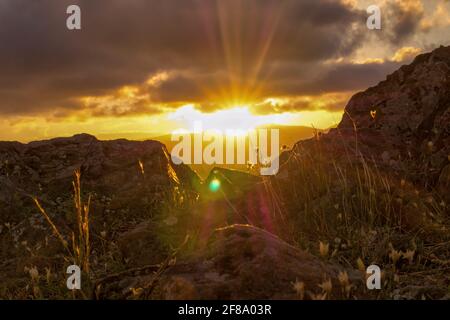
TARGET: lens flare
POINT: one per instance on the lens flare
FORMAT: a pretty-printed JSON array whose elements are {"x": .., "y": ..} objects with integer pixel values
[{"x": 214, "y": 185}]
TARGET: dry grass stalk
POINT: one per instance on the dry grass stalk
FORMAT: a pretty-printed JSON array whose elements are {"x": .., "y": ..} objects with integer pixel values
[{"x": 80, "y": 250}]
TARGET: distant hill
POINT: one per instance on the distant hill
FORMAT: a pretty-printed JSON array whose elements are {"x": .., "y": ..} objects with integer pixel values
[
  {"x": 289, "y": 135},
  {"x": 134, "y": 136}
]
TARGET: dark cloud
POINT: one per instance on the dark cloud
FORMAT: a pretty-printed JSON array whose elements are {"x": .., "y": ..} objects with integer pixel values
[
  {"x": 330, "y": 91},
  {"x": 294, "y": 104},
  {"x": 315, "y": 79},
  {"x": 348, "y": 77},
  {"x": 212, "y": 49},
  {"x": 403, "y": 19}
]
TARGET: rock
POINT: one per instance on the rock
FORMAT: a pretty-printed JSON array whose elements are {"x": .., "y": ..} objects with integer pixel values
[
  {"x": 141, "y": 245},
  {"x": 402, "y": 123},
  {"x": 412, "y": 114},
  {"x": 233, "y": 183},
  {"x": 110, "y": 168},
  {"x": 245, "y": 262},
  {"x": 129, "y": 182}
]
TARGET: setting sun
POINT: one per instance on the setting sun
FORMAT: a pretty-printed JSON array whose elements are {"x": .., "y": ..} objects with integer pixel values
[{"x": 231, "y": 121}]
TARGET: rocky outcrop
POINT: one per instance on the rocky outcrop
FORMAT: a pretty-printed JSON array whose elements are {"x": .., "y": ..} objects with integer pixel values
[
  {"x": 120, "y": 168},
  {"x": 403, "y": 123},
  {"x": 245, "y": 262},
  {"x": 108, "y": 164},
  {"x": 128, "y": 181}
]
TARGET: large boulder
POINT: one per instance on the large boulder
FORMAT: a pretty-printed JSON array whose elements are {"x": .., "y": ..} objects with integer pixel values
[
  {"x": 123, "y": 173},
  {"x": 245, "y": 262},
  {"x": 128, "y": 181}
]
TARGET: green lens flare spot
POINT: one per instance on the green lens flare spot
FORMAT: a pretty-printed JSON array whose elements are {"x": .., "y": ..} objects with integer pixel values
[{"x": 214, "y": 185}]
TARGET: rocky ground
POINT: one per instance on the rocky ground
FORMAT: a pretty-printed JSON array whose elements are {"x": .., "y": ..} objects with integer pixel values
[{"x": 375, "y": 190}]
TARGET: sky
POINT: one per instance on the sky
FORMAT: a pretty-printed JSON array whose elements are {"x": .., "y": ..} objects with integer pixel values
[{"x": 149, "y": 67}]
